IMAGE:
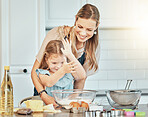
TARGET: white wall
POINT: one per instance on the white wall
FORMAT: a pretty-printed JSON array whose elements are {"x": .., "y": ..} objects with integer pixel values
[{"x": 124, "y": 55}]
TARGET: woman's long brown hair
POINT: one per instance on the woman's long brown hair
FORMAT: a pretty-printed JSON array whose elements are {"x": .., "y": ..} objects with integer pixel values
[{"x": 88, "y": 11}]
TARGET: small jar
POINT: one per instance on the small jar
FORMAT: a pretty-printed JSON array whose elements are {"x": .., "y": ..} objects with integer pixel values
[
  {"x": 98, "y": 113},
  {"x": 105, "y": 113},
  {"x": 88, "y": 114},
  {"x": 117, "y": 112}
]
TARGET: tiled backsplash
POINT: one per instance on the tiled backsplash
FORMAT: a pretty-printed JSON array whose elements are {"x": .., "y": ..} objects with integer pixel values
[{"x": 123, "y": 55}]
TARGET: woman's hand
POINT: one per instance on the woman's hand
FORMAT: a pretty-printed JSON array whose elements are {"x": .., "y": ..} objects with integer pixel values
[
  {"x": 48, "y": 99},
  {"x": 69, "y": 67},
  {"x": 67, "y": 48}
]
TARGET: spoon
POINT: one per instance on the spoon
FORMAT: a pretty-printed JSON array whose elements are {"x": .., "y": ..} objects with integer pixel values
[{"x": 128, "y": 84}]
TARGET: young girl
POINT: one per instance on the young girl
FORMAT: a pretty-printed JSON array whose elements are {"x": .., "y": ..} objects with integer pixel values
[{"x": 54, "y": 71}]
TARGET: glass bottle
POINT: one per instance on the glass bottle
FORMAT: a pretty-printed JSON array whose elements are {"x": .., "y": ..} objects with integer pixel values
[{"x": 6, "y": 94}]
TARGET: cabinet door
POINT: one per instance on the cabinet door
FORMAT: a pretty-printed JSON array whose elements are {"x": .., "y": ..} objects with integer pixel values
[
  {"x": 23, "y": 46},
  {"x": 24, "y": 33},
  {"x": 118, "y": 13},
  {"x": 62, "y": 12},
  {"x": 22, "y": 87}
]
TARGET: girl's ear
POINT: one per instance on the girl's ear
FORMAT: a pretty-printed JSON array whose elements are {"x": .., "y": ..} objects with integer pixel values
[
  {"x": 47, "y": 62},
  {"x": 46, "y": 59}
]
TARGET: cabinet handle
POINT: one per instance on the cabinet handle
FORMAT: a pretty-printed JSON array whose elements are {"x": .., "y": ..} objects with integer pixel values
[{"x": 25, "y": 70}]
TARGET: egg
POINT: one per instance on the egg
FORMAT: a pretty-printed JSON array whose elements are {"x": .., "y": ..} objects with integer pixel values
[
  {"x": 84, "y": 104},
  {"x": 75, "y": 104}
]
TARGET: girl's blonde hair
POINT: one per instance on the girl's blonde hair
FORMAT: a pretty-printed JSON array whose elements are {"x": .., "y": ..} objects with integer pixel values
[
  {"x": 88, "y": 11},
  {"x": 53, "y": 47}
]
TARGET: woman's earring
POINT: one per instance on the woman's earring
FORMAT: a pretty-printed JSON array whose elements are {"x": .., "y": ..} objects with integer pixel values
[
  {"x": 74, "y": 26},
  {"x": 95, "y": 32}
]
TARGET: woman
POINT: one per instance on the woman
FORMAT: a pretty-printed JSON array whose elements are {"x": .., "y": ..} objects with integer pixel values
[{"x": 84, "y": 39}]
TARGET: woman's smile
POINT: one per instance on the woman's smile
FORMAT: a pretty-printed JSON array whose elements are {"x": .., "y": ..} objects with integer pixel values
[
  {"x": 82, "y": 36},
  {"x": 85, "y": 29}
]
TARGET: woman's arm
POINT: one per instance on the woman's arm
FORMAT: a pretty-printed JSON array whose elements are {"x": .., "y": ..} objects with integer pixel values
[
  {"x": 79, "y": 84},
  {"x": 37, "y": 83},
  {"x": 80, "y": 73},
  {"x": 51, "y": 80}
]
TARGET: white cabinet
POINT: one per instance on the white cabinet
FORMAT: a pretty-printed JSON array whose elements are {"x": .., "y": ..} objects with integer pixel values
[
  {"x": 119, "y": 13},
  {"x": 22, "y": 87},
  {"x": 23, "y": 30},
  {"x": 23, "y": 46},
  {"x": 114, "y": 13},
  {"x": 62, "y": 12}
]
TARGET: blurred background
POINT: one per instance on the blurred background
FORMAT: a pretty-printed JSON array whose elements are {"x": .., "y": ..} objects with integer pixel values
[{"x": 123, "y": 38}]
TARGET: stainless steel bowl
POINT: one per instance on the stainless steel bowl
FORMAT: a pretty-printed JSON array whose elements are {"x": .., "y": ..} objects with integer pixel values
[{"x": 123, "y": 97}]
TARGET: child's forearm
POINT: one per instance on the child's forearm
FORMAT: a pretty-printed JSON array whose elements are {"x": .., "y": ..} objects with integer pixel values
[
  {"x": 79, "y": 70},
  {"x": 51, "y": 80}
]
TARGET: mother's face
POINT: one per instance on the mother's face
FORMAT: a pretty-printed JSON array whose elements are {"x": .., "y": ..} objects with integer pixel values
[{"x": 84, "y": 29}]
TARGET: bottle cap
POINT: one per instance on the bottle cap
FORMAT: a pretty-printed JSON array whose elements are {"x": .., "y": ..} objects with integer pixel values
[{"x": 6, "y": 67}]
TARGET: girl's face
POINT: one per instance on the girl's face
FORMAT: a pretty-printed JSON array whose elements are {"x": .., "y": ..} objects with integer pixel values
[
  {"x": 55, "y": 62},
  {"x": 85, "y": 29}
]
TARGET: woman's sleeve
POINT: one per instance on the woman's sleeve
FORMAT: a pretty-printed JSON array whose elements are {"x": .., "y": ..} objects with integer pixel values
[
  {"x": 51, "y": 35},
  {"x": 86, "y": 66}
]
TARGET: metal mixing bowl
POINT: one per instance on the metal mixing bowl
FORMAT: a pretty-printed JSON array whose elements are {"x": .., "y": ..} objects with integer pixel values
[
  {"x": 65, "y": 97},
  {"x": 123, "y": 97}
]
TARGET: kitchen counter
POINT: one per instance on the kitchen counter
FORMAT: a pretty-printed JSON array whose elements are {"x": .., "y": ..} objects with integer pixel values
[{"x": 65, "y": 113}]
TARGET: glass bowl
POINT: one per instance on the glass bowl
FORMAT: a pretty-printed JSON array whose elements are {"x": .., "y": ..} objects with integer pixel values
[
  {"x": 121, "y": 99},
  {"x": 65, "y": 97}
]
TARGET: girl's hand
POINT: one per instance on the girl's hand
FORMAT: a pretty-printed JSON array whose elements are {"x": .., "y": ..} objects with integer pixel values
[
  {"x": 48, "y": 100},
  {"x": 69, "y": 67},
  {"x": 67, "y": 48}
]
